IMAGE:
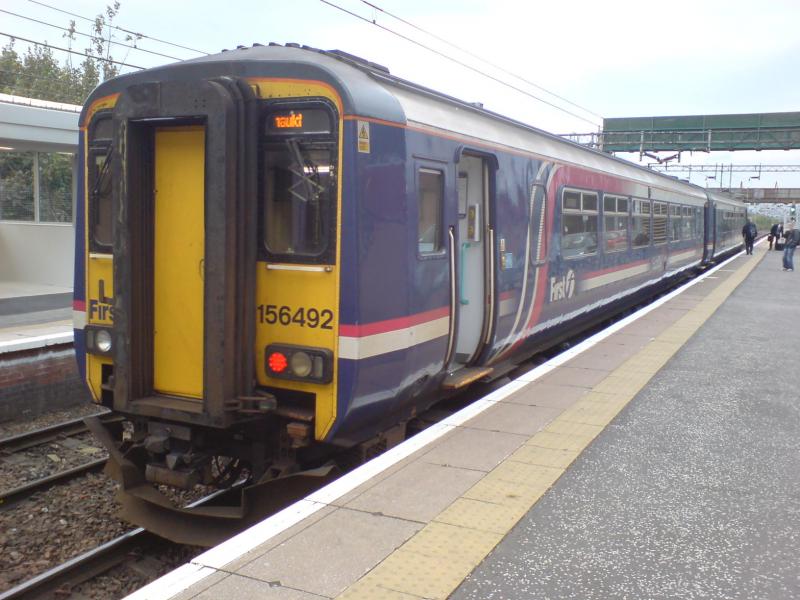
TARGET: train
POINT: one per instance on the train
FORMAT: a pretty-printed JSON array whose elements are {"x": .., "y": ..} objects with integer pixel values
[{"x": 285, "y": 254}]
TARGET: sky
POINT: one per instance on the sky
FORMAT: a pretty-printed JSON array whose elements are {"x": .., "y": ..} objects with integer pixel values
[{"x": 611, "y": 58}]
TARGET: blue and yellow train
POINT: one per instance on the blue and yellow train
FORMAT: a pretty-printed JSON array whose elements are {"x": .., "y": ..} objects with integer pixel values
[{"x": 283, "y": 252}]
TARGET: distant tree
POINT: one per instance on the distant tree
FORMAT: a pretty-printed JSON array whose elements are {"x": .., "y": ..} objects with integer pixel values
[{"x": 37, "y": 73}]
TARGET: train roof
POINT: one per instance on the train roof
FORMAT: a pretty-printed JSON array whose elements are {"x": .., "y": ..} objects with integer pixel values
[{"x": 369, "y": 90}]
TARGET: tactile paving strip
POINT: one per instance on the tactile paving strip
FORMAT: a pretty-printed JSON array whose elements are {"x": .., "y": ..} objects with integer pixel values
[{"x": 432, "y": 563}]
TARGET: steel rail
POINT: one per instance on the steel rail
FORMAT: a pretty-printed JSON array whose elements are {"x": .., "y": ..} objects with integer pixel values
[
  {"x": 81, "y": 568},
  {"x": 36, "y": 437},
  {"x": 16, "y": 494}
]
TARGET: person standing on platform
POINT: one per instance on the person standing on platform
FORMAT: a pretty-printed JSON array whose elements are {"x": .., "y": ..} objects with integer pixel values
[
  {"x": 792, "y": 238},
  {"x": 749, "y": 234},
  {"x": 773, "y": 236}
]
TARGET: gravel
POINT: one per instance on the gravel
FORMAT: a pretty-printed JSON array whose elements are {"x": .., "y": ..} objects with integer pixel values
[
  {"x": 9, "y": 428},
  {"x": 53, "y": 457},
  {"x": 52, "y": 526}
]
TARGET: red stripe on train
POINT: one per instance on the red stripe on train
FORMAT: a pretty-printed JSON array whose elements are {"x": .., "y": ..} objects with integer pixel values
[{"x": 393, "y": 324}]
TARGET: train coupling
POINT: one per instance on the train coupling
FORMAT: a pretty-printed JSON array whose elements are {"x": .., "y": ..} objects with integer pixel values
[
  {"x": 220, "y": 516},
  {"x": 172, "y": 460}
]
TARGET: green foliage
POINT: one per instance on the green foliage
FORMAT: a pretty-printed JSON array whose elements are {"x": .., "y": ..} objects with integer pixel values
[{"x": 38, "y": 74}]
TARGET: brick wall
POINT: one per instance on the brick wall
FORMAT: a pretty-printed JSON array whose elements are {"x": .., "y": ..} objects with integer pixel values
[{"x": 36, "y": 381}]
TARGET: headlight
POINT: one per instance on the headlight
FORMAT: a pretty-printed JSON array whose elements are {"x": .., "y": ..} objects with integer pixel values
[
  {"x": 102, "y": 341},
  {"x": 299, "y": 363},
  {"x": 99, "y": 340}
]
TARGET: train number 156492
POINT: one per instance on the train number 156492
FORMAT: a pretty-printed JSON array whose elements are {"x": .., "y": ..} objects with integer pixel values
[{"x": 272, "y": 314}]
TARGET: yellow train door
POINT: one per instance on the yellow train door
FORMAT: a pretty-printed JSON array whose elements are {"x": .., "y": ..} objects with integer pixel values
[{"x": 179, "y": 252}]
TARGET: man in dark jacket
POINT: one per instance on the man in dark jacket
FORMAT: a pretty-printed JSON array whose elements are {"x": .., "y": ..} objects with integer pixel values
[
  {"x": 773, "y": 236},
  {"x": 792, "y": 236},
  {"x": 749, "y": 234}
]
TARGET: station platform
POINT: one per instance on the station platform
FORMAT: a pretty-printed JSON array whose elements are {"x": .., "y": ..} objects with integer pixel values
[
  {"x": 657, "y": 459},
  {"x": 34, "y": 315}
]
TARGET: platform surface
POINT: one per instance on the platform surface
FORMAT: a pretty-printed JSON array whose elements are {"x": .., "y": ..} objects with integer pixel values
[
  {"x": 31, "y": 314},
  {"x": 656, "y": 460}
]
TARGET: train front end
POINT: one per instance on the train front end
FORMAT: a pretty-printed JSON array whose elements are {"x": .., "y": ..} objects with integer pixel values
[{"x": 207, "y": 274}]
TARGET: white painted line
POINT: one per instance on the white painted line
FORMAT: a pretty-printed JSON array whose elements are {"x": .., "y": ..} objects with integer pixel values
[
  {"x": 173, "y": 583},
  {"x": 38, "y": 341},
  {"x": 238, "y": 545},
  {"x": 216, "y": 558}
]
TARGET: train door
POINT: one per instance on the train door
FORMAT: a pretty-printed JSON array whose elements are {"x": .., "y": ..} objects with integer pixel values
[
  {"x": 178, "y": 266},
  {"x": 473, "y": 258}
]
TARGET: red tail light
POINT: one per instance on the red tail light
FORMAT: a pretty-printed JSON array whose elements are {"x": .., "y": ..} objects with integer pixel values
[{"x": 277, "y": 362}]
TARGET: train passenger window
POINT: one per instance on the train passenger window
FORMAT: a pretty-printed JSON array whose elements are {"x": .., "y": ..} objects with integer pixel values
[
  {"x": 676, "y": 223},
  {"x": 99, "y": 183},
  {"x": 429, "y": 202},
  {"x": 615, "y": 221},
  {"x": 572, "y": 200},
  {"x": 640, "y": 223},
  {"x": 579, "y": 224},
  {"x": 698, "y": 222},
  {"x": 686, "y": 223},
  {"x": 659, "y": 223}
]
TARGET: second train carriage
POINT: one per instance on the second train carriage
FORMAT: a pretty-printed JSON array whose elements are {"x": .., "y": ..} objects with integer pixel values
[{"x": 282, "y": 249}]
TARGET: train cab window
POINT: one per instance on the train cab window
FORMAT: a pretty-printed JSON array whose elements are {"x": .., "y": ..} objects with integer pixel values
[
  {"x": 429, "y": 201},
  {"x": 579, "y": 224},
  {"x": 640, "y": 223},
  {"x": 659, "y": 222},
  {"x": 298, "y": 184},
  {"x": 615, "y": 222},
  {"x": 99, "y": 183}
]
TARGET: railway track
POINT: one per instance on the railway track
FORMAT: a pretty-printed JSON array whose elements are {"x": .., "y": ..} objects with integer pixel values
[
  {"x": 37, "y": 437},
  {"x": 59, "y": 581},
  {"x": 68, "y": 577}
]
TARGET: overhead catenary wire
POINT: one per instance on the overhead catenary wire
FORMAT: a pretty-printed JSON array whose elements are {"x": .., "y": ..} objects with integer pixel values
[
  {"x": 483, "y": 60},
  {"x": 136, "y": 33},
  {"x": 8, "y": 12},
  {"x": 45, "y": 45},
  {"x": 458, "y": 62},
  {"x": 26, "y": 76}
]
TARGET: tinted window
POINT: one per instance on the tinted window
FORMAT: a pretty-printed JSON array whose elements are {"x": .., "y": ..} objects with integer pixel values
[
  {"x": 99, "y": 184},
  {"x": 100, "y": 199},
  {"x": 615, "y": 223},
  {"x": 640, "y": 223},
  {"x": 298, "y": 193},
  {"x": 429, "y": 202},
  {"x": 579, "y": 224},
  {"x": 298, "y": 182}
]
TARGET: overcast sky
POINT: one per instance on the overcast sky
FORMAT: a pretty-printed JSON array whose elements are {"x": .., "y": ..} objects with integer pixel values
[{"x": 616, "y": 58}]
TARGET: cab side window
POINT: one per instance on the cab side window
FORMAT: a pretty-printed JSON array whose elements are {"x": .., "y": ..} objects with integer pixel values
[
  {"x": 430, "y": 195},
  {"x": 99, "y": 183}
]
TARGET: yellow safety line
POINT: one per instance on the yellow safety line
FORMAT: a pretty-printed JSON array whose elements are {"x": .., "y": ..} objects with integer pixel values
[{"x": 434, "y": 562}]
